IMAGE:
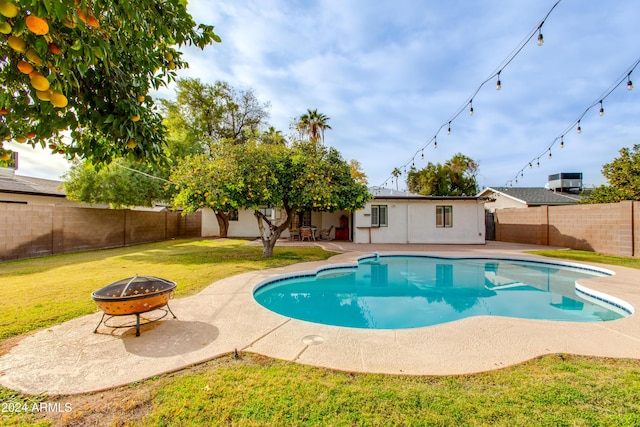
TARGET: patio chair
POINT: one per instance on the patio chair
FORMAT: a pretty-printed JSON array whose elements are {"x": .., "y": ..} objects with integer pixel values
[
  {"x": 293, "y": 233},
  {"x": 306, "y": 233},
  {"x": 325, "y": 234}
]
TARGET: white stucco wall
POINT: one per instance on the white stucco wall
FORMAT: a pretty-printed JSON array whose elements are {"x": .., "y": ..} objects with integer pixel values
[
  {"x": 414, "y": 221},
  {"x": 43, "y": 200},
  {"x": 503, "y": 202},
  {"x": 247, "y": 226}
]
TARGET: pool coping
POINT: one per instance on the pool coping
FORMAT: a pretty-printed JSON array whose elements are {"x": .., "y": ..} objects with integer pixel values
[{"x": 69, "y": 358}]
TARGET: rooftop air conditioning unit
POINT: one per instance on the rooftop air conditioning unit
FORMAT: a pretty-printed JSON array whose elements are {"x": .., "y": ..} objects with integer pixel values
[{"x": 565, "y": 182}]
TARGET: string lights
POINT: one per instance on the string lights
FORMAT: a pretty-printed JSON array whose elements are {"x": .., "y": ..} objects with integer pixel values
[
  {"x": 496, "y": 73},
  {"x": 578, "y": 122}
]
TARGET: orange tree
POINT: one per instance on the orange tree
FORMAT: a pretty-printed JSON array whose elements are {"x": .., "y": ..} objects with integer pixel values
[
  {"x": 294, "y": 178},
  {"x": 254, "y": 175},
  {"x": 87, "y": 67}
]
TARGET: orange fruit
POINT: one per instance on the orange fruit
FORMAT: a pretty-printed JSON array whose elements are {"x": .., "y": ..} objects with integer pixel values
[
  {"x": 17, "y": 44},
  {"x": 37, "y": 25},
  {"x": 171, "y": 65},
  {"x": 5, "y": 156},
  {"x": 131, "y": 143},
  {"x": 135, "y": 118},
  {"x": 81, "y": 15},
  {"x": 32, "y": 56},
  {"x": 58, "y": 100},
  {"x": 3, "y": 111},
  {"x": 93, "y": 22},
  {"x": 40, "y": 83},
  {"x": 43, "y": 95},
  {"x": 70, "y": 22},
  {"x": 20, "y": 139},
  {"x": 5, "y": 28},
  {"x": 7, "y": 9},
  {"x": 31, "y": 135},
  {"x": 141, "y": 98},
  {"x": 54, "y": 49},
  {"x": 25, "y": 67}
]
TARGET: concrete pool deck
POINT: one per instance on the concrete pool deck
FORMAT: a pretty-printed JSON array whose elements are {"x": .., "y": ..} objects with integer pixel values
[{"x": 69, "y": 358}]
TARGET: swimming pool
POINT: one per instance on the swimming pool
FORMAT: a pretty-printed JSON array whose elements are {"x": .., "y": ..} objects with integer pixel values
[{"x": 409, "y": 291}]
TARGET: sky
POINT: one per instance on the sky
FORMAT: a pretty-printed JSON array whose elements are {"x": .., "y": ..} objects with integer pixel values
[{"x": 389, "y": 75}]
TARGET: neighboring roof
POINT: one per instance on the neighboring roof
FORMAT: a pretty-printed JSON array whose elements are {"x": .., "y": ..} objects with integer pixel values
[
  {"x": 380, "y": 192},
  {"x": 388, "y": 193},
  {"x": 17, "y": 184},
  {"x": 534, "y": 195}
]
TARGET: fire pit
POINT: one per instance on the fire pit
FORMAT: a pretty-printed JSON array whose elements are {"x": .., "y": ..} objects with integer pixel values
[{"x": 134, "y": 296}]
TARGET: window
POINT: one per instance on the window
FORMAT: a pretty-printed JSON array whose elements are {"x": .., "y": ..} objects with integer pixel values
[
  {"x": 378, "y": 215},
  {"x": 444, "y": 216},
  {"x": 268, "y": 212}
]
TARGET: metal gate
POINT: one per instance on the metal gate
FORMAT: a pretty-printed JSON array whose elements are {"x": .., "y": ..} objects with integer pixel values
[{"x": 490, "y": 226}]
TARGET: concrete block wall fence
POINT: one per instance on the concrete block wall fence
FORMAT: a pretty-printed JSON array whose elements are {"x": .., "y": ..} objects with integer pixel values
[
  {"x": 28, "y": 231},
  {"x": 612, "y": 228}
]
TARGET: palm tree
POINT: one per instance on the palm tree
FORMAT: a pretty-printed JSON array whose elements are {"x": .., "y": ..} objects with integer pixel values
[
  {"x": 273, "y": 136},
  {"x": 396, "y": 173},
  {"x": 313, "y": 124}
]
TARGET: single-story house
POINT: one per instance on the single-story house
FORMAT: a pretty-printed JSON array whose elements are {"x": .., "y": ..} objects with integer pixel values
[
  {"x": 391, "y": 216},
  {"x": 27, "y": 190},
  {"x": 524, "y": 197}
]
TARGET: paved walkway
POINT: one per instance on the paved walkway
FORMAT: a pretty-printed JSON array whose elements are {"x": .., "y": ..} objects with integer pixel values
[{"x": 69, "y": 358}]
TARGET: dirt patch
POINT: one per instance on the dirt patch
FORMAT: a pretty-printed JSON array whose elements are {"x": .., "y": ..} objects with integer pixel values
[{"x": 7, "y": 344}]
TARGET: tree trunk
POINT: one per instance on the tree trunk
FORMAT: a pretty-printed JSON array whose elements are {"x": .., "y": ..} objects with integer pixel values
[
  {"x": 274, "y": 232},
  {"x": 223, "y": 223}
]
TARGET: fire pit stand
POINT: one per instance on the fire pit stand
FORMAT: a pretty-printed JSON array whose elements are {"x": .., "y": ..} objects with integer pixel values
[{"x": 134, "y": 296}]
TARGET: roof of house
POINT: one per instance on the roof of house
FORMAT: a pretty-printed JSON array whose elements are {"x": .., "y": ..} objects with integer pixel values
[
  {"x": 534, "y": 196},
  {"x": 18, "y": 184},
  {"x": 389, "y": 193}
]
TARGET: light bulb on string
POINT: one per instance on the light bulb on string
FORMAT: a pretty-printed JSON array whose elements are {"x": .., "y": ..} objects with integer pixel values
[
  {"x": 435, "y": 142},
  {"x": 471, "y": 107},
  {"x": 561, "y": 141},
  {"x": 538, "y": 163},
  {"x": 530, "y": 165},
  {"x": 422, "y": 156},
  {"x": 601, "y": 109},
  {"x": 629, "y": 82},
  {"x": 449, "y": 129},
  {"x": 498, "y": 83},
  {"x": 579, "y": 129},
  {"x": 540, "y": 38},
  {"x": 522, "y": 174},
  {"x": 550, "y": 155}
]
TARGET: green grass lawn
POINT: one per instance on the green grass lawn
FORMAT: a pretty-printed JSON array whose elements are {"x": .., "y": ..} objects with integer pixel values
[
  {"x": 590, "y": 257},
  {"x": 555, "y": 390},
  {"x": 45, "y": 291}
]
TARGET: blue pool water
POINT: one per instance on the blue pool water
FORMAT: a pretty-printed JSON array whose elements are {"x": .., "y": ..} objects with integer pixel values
[{"x": 395, "y": 292}]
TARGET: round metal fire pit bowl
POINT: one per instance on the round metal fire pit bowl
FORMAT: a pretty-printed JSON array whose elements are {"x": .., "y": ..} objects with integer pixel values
[{"x": 133, "y": 296}]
